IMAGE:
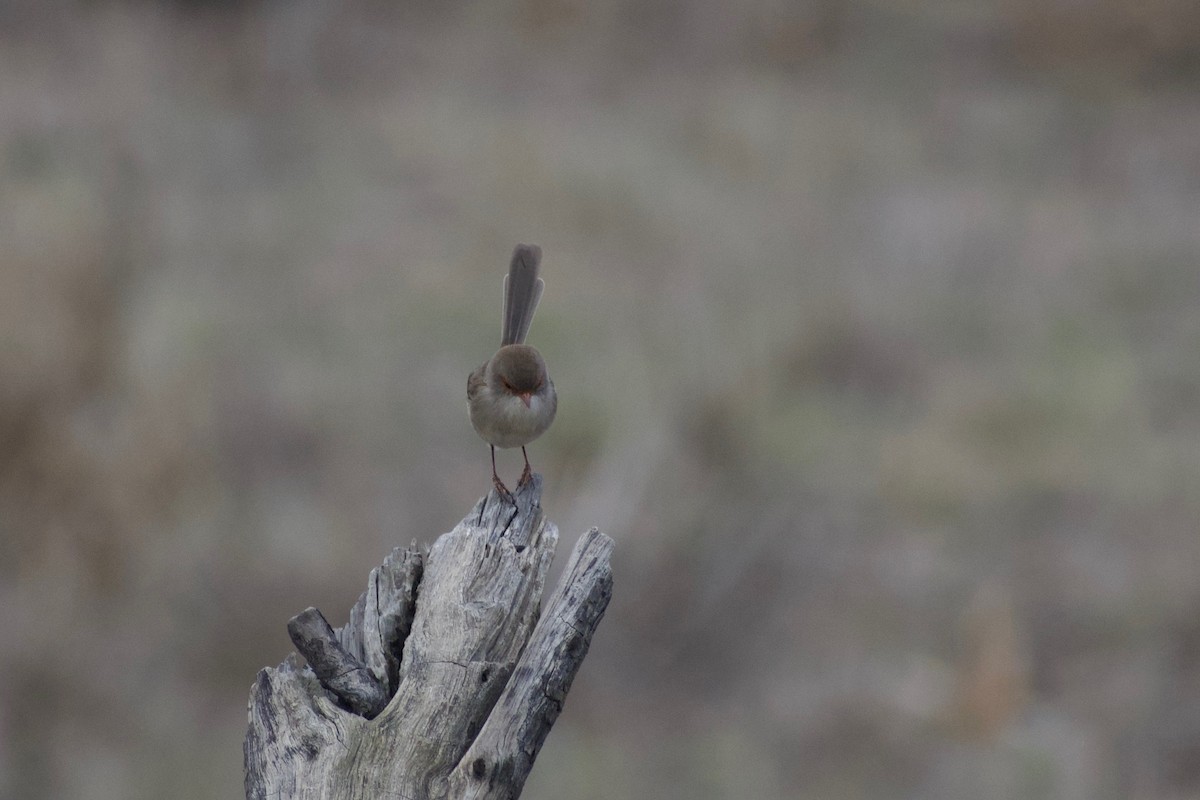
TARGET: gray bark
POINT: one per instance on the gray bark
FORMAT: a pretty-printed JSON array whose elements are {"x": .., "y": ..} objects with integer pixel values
[{"x": 452, "y": 649}]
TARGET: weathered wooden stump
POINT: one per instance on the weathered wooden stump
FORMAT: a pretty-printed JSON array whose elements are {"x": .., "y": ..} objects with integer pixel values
[{"x": 446, "y": 679}]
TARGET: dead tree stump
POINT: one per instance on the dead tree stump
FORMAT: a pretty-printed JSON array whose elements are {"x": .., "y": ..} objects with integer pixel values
[{"x": 446, "y": 679}]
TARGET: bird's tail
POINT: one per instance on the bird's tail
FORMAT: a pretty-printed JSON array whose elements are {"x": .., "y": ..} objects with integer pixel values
[{"x": 522, "y": 291}]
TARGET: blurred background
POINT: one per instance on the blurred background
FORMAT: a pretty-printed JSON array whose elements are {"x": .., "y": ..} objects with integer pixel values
[{"x": 875, "y": 327}]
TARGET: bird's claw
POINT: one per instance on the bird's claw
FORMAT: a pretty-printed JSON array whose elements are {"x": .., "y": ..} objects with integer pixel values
[
  {"x": 502, "y": 490},
  {"x": 526, "y": 477}
]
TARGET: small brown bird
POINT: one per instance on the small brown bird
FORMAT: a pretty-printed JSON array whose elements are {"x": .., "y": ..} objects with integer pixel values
[{"x": 511, "y": 397}]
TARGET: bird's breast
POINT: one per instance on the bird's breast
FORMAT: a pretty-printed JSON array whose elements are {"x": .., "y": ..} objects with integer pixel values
[{"x": 505, "y": 421}]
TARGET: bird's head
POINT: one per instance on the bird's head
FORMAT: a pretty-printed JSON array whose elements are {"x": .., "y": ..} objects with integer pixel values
[{"x": 518, "y": 370}]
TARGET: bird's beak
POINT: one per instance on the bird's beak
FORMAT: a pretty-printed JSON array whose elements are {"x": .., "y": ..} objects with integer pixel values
[{"x": 524, "y": 397}]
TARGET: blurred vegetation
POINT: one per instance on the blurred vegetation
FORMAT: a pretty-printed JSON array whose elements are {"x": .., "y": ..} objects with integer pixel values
[{"x": 876, "y": 330}]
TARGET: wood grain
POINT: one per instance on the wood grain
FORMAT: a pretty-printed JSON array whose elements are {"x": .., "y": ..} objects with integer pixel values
[{"x": 443, "y": 638}]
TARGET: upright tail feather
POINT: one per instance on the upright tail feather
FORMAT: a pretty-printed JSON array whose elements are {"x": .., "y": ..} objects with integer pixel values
[{"x": 522, "y": 291}]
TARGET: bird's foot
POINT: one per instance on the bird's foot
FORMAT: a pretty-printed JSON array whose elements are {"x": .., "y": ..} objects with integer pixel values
[
  {"x": 526, "y": 477},
  {"x": 502, "y": 490}
]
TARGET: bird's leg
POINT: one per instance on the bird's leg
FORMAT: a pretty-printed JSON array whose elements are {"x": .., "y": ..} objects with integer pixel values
[
  {"x": 499, "y": 484},
  {"x": 527, "y": 475}
]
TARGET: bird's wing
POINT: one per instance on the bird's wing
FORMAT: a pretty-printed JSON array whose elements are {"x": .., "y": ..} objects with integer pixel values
[{"x": 476, "y": 381}]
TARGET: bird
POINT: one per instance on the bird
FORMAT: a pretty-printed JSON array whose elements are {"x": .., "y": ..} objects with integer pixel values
[{"x": 510, "y": 396}]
